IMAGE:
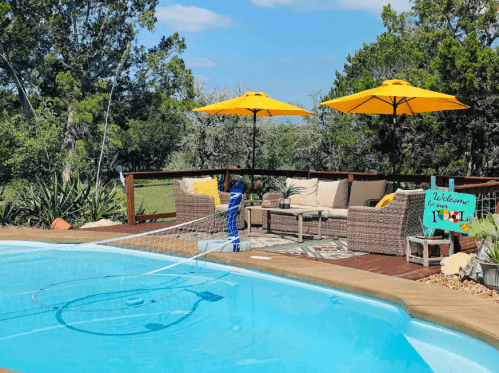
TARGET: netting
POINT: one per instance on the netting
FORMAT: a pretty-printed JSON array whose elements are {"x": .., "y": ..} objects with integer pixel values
[{"x": 104, "y": 287}]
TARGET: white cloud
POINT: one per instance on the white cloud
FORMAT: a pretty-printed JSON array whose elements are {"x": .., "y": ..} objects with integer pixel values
[
  {"x": 191, "y": 18},
  {"x": 273, "y": 3},
  {"x": 199, "y": 62}
]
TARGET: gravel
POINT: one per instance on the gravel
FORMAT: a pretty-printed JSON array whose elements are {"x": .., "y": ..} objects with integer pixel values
[{"x": 468, "y": 286}]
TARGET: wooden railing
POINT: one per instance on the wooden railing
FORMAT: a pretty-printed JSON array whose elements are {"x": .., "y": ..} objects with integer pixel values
[{"x": 465, "y": 184}]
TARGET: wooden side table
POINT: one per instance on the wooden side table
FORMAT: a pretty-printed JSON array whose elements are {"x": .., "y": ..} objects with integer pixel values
[
  {"x": 293, "y": 211},
  {"x": 426, "y": 260}
]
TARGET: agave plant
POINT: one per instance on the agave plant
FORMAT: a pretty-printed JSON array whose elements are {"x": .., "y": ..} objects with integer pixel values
[
  {"x": 487, "y": 229},
  {"x": 106, "y": 203},
  {"x": 8, "y": 212},
  {"x": 289, "y": 190},
  {"x": 47, "y": 201}
]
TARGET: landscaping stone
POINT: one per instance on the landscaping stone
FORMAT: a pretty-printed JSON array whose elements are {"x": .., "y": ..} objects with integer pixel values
[
  {"x": 100, "y": 223},
  {"x": 468, "y": 286},
  {"x": 452, "y": 264}
]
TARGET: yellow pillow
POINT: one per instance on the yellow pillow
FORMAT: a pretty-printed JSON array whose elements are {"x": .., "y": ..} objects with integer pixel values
[
  {"x": 385, "y": 200},
  {"x": 209, "y": 188}
]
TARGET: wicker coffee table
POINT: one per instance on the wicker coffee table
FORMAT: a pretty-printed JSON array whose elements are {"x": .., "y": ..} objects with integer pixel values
[{"x": 294, "y": 212}]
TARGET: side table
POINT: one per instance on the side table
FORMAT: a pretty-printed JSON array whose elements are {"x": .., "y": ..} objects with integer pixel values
[{"x": 426, "y": 260}]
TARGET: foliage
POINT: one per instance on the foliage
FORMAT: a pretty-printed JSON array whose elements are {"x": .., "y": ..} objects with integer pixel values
[
  {"x": 8, "y": 209},
  {"x": 487, "y": 229},
  {"x": 289, "y": 190},
  {"x": 105, "y": 204},
  {"x": 427, "y": 231},
  {"x": 47, "y": 201}
]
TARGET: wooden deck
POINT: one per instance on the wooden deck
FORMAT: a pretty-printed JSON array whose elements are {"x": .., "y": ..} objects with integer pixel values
[{"x": 383, "y": 264}]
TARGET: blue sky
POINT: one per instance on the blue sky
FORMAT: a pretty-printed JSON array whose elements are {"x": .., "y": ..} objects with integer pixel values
[{"x": 285, "y": 48}]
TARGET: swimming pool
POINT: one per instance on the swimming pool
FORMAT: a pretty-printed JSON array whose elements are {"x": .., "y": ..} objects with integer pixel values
[{"x": 67, "y": 310}]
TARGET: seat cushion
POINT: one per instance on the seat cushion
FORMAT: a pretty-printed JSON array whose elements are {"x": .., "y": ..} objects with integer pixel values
[
  {"x": 209, "y": 188},
  {"x": 189, "y": 183},
  {"x": 308, "y": 196},
  {"x": 333, "y": 194},
  {"x": 331, "y": 213},
  {"x": 363, "y": 190},
  {"x": 221, "y": 207}
]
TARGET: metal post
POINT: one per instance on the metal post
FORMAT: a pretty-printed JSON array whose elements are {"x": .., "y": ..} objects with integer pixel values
[
  {"x": 253, "y": 168},
  {"x": 394, "y": 151}
]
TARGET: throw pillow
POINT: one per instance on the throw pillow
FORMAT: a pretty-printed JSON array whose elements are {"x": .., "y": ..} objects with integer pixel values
[
  {"x": 189, "y": 183},
  {"x": 333, "y": 194},
  {"x": 209, "y": 188},
  {"x": 385, "y": 200},
  {"x": 363, "y": 190},
  {"x": 308, "y": 195}
]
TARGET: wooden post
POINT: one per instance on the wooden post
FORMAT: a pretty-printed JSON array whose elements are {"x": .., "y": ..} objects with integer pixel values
[
  {"x": 130, "y": 200},
  {"x": 433, "y": 182},
  {"x": 226, "y": 181},
  {"x": 451, "y": 185}
]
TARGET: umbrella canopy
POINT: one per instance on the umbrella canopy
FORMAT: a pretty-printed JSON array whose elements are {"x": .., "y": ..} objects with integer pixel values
[
  {"x": 395, "y": 97},
  {"x": 255, "y": 104}
]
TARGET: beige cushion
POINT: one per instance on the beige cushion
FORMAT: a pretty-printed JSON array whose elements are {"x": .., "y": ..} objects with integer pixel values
[
  {"x": 363, "y": 190},
  {"x": 221, "y": 207},
  {"x": 333, "y": 194},
  {"x": 189, "y": 183},
  {"x": 308, "y": 195},
  {"x": 335, "y": 213},
  {"x": 413, "y": 191}
]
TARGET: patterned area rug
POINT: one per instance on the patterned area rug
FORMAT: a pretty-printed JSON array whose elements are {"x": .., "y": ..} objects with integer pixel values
[{"x": 327, "y": 248}]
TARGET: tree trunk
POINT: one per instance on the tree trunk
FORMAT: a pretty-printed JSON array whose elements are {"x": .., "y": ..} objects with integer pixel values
[
  {"x": 69, "y": 141},
  {"x": 24, "y": 101}
]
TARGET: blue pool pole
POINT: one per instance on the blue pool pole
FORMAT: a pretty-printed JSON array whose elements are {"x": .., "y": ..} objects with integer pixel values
[{"x": 236, "y": 195}]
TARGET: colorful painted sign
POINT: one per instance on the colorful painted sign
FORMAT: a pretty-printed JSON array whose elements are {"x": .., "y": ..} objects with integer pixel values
[{"x": 448, "y": 210}]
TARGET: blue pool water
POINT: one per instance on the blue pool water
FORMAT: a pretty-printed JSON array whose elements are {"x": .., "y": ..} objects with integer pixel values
[{"x": 84, "y": 311}]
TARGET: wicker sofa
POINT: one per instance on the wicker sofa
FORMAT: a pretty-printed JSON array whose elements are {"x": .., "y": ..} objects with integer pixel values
[
  {"x": 368, "y": 229},
  {"x": 384, "y": 230},
  {"x": 335, "y": 213},
  {"x": 191, "y": 206}
]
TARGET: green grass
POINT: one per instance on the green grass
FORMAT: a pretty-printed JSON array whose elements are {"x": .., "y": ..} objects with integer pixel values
[{"x": 154, "y": 199}]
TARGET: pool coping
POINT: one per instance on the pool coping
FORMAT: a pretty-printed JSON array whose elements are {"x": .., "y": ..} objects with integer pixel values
[{"x": 456, "y": 310}]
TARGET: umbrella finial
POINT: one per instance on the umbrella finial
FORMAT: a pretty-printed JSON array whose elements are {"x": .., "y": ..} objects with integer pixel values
[
  {"x": 247, "y": 94},
  {"x": 394, "y": 82}
]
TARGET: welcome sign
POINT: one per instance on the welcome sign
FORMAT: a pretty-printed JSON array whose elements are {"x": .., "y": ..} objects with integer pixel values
[{"x": 448, "y": 210}]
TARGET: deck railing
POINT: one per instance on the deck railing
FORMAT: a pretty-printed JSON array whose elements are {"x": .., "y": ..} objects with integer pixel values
[{"x": 480, "y": 186}]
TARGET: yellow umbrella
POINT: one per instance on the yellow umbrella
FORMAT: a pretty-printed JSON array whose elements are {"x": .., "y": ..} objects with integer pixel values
[
  {"x": 255, "y": 104},
  {"x": 395, "y": 97}
]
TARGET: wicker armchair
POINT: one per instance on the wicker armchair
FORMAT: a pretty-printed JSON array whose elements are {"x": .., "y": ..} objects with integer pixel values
[
  {"x": 190, "y": 207},
  {"x": 384, "y": 230}
]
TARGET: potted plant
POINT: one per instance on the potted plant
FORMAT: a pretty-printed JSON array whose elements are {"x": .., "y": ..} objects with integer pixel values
[
  {"x": 488, "y": 230},
  {"x": 428, "y": 234},
  {"x": 288, "y": 191}
]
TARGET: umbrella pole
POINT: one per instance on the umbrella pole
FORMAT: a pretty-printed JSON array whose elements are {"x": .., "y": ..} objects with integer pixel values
[
  {"x": 253, "y": 169},
  {"x": 394, "y": 150}
]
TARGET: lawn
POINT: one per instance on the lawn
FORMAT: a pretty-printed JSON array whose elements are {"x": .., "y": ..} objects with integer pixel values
[{"x": 154, "y": 196}]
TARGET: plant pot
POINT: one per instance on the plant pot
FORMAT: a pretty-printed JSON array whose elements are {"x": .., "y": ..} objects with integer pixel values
[
  {"x": 433, "y": 250},
  {"x": 490, "y": 275},
  {"x": 60, "y": 224},
  {"x": 284, "y": 203}
]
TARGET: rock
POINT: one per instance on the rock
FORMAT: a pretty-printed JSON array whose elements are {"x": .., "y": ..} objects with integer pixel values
[
  {"x": 452, "y": 264},
  {"x": 100, "y": 223}
]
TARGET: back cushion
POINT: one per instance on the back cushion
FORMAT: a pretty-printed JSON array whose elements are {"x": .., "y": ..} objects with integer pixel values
[
  {"x": 308, "y": 196},
  {"x": 333, "y": 194},
  {"x": 363, "y": 190},
  {"x": 189, "y": 182}
]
